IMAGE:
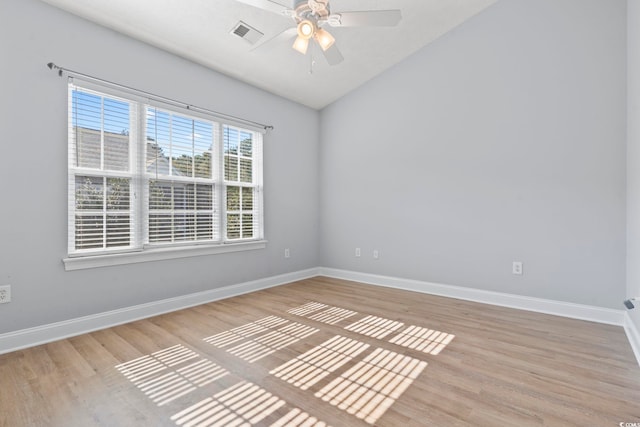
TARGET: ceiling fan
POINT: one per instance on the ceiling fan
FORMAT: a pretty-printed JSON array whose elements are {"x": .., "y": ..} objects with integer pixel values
[{"x": 310, "y": 16}]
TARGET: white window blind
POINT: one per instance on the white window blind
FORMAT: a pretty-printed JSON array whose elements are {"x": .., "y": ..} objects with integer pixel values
[
  {"x": 100, "y": 178},
  {"x": 241, "y": 177},
  {"x": 143, "y": 176},
  {"x": 180, "y": 178}
]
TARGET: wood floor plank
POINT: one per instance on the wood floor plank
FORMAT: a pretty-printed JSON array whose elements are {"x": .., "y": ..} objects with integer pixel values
[{"x": 218, "y": 364}]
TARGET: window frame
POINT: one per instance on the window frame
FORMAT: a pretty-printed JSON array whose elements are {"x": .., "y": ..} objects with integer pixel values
[{"x": 140, "y": 249}]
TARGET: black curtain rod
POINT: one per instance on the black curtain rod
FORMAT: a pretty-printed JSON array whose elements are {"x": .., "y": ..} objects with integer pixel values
[{"x": 72, "y": 73}]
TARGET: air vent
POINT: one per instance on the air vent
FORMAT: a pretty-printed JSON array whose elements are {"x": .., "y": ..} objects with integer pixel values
[{"x": 246, "y": 32}]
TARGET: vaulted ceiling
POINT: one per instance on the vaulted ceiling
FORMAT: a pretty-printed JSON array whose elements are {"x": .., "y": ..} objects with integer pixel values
[{"x": 202, "y": 31}]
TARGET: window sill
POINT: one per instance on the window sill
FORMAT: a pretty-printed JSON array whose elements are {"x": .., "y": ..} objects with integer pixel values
[{"x": 157, "y": 254}]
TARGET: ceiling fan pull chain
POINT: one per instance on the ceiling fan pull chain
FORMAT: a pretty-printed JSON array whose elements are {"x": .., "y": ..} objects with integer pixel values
[{"x": 312, "y": 62}]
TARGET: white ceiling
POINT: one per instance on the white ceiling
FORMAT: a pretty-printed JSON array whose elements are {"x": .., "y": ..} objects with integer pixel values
[{"x": 199, "y": 30}]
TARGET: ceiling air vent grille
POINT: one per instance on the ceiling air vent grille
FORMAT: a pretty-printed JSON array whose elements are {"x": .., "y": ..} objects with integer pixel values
[{"x": 246, "y": 32}]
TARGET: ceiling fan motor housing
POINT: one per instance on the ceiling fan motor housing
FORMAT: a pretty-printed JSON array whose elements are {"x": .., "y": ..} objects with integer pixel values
[{"x": 318, "y": 9}]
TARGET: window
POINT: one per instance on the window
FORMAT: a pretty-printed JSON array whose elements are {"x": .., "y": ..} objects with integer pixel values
[
  {"x": 145, "y": 176},
  {"x": 180, "y": 178}
]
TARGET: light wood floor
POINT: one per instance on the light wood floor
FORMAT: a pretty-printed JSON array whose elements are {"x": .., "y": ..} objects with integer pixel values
[{"x": 329, "y": 352}]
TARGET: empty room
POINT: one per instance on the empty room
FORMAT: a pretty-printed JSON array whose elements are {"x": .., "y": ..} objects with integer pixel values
[{"x": 320, "y": 213}]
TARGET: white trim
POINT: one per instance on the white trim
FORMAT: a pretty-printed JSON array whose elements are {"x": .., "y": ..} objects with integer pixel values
[
  {"x": 633, "y": 335},
  {"x": 157, "y": 254},
  {"x": 539, "y": 305},
  {"x": 30, "y": 337}
]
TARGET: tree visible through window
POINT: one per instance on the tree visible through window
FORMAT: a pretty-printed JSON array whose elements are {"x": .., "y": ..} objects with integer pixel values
[
  {"x": 238, "y": 174},
  {"x": 181, "y": 177}
]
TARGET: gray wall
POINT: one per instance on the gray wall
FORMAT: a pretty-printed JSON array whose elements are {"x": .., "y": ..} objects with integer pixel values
[
  {"x": 502, "y": 141},
  {"x": 633, "y": 156},
  {"x": 33, "y": 179}
]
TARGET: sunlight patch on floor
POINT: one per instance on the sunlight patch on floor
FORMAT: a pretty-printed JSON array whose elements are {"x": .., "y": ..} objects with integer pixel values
[
  {"x": 307, "y": 369},
  {"x": 231, "y": 336},
  {"x": 333, "y": 315},
  {"x": 423, "y": 339},
  {"x": 322, "y": 312},
  {"x": 153, "y": 376},
  {"x": 298, "y": 418},
  {"x": 255, "y": 340},
  {"x": 369, "y": 388},
  {"x": 306, "y": 309},
  {"x": 242, "y": 404},
  {"x": 414, "y": 337},
  {"x": 375, "y": 327}
]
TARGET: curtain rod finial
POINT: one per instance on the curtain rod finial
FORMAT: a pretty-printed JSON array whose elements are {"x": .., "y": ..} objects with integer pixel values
[{"x": 52, "y": 66}]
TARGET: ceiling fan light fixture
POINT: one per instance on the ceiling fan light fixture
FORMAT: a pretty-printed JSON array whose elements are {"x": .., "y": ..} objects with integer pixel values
[
  {"x": 306, "y": 29},
  {"x": 301, "y": 45},
  {"x": 324, "y": 38}
]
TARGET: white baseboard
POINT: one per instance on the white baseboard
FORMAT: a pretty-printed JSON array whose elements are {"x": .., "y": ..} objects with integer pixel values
[
  {"x": 633, "y": 335},
  {"x": 557, "y": 308},
  {"x": 30, "y": 337}
]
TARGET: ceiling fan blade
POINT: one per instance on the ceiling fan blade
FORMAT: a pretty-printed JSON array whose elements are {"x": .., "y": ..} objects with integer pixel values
[
  {"x": 268, "y": 5},
  {"x": 333, "y": 55},
  {"x": 374, "y": 18},
  {"x": 283, "y": 36}
]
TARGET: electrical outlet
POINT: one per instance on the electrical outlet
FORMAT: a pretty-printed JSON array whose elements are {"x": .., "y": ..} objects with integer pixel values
[
  {"x": 357, "y": 252},
  {"x": 5, "y": 294},
  {"x": 516, "y": 268},
  {"x": 287, "y": 253},
  {"x": 376, "y": 254}
]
